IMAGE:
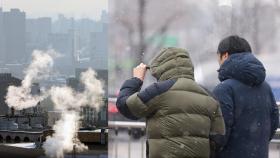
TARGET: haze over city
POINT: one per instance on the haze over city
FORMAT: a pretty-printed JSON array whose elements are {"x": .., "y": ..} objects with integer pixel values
[{"x": 70, "y": 8}]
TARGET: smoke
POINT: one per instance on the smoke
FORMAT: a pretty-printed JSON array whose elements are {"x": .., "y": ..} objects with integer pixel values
[
  {"x": 63, "y": 138},
  {"x": 65, "y": 99},
  {"x": 40, "y": 67},
  {"x": 69, "y": 102},
  {"x": 93, "y": 88}
]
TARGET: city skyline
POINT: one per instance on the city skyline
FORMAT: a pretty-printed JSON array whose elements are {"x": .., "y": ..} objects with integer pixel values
[
  {"x": 82, "y": 42},
  {"x": 91, "y": 9}
]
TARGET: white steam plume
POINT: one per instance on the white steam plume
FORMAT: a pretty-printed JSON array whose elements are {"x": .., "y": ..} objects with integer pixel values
[
  {"x": 63, "y": 138},
  {"x": 40, "y": 67},
  {"x": 69, "y": 102},
  {"x": 65, "y": 99}
]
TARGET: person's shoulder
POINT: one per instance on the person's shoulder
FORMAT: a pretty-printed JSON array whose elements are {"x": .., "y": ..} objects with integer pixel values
[
  {"x": 225, "y": 87},
  {"x": 155, "y": 89},
  {"x": 266, "y": 84},
  {"x": 266, "y": 87},
  {"x": 226, "y": 83}
]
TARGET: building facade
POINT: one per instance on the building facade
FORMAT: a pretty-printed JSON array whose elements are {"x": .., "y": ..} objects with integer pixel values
[{"x": 13, "y": 36}]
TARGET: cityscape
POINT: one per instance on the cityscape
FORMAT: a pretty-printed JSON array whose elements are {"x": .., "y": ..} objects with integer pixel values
[{"x": 80, "y": 44}]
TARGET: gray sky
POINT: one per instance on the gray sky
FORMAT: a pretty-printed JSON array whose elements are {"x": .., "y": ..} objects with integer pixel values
[{"x": 74, "y": 8}]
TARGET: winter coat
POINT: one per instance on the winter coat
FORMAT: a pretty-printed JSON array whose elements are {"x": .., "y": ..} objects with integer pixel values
[
  {"x": 180, "y": 115},
  {"x": 250, "y": 112}
]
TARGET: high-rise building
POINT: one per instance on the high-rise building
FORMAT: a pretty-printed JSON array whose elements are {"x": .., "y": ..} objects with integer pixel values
[
  {"x": 99, "y": 48},
  {"x": 104, "y": 17},
  {"x": 13, "y": 30},
  {"x": 63, "y": 24},
  {"x": 63, "y": 44},
  {"x": 37, "y": 33},
  {"x": 1, "y": 38}
]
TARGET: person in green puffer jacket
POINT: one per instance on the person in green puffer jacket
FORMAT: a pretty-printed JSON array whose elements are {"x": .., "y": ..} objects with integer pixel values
[{"x": 181, "y": 117}]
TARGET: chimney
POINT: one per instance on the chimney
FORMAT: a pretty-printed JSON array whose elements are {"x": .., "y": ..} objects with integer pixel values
[{"x": 13, "y": 111}]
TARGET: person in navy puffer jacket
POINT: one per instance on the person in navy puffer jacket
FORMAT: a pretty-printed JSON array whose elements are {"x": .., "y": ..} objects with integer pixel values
[{"x": 249, "y": 108}]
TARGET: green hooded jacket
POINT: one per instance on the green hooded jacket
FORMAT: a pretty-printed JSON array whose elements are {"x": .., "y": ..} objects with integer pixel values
[{"x": 181, "y": 116}]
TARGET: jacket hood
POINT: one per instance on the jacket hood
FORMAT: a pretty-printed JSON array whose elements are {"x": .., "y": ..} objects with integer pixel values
[
  {"x": 244, "y": 67},
  {"x": 172, "y": 63}
]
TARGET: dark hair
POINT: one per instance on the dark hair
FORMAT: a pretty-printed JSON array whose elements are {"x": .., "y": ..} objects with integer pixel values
[{"x": 233, "y": 44}]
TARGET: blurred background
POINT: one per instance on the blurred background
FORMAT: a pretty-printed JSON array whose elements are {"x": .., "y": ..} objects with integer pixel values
[{"x": 140, "y": 28}]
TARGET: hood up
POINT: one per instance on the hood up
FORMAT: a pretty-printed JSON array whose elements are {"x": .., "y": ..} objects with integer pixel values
[
  {"x": 172, "y": 63},
  {"x": 244, "y": 67}
]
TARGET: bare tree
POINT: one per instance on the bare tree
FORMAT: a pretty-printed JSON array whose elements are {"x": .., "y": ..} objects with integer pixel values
[
  {"x": 138, "y": 30},
  {"x": 138, "y": 35},
  {"x": 256, "y": 30},
  {"x": 141, "y": 24}
]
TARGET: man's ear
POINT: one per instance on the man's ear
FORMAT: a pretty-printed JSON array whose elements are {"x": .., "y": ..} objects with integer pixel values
[{"x": 225, "y": 55}]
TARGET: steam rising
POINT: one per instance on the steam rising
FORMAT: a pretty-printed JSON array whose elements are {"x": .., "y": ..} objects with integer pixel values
[
  {"x": 21, "y": 97},
  {"x": 69, "y": 102},
  {"x": 63, "y": 138},
  {"x": 65, "y": 99}
]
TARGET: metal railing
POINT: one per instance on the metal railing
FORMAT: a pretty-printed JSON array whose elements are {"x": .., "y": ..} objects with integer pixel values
[
  {"x": 125, "y": 124},
  {"x": 120, "y": 145}
]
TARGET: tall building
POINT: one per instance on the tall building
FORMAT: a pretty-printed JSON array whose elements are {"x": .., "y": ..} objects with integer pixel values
[
  {"x": 62, "y": 24},
  {"x": 14, "y": 36},
  {"x": 99, "y": 48},
  {"x": 2, "y": 54},
  {"x": 104, "y": 17},
  {"x": 63, "y": 44},
  {"x": 37, "y": 33}
]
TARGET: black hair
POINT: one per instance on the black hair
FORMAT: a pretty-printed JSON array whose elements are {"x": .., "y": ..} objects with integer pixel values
[{"x": 233, "y": 44}]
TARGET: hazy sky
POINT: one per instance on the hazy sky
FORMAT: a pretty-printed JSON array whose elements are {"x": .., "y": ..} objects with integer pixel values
[{"x": 74, "y": 8}]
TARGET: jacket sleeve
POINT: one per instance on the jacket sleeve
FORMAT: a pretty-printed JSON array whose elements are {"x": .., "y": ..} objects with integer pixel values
[
  {"x": 223, "y": 93},
  {"x": 217, "y": 131},
  {"x": 145, "y": 103},
  {"x": 217, "y": 121},
  {"x": 274, "y": 116},
  {"x": 134, "y": 104},
  {"x": 129, "y": 87}
]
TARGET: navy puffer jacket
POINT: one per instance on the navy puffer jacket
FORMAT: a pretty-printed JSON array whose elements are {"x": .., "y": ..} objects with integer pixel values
[{"x": 249, "y": 109}]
